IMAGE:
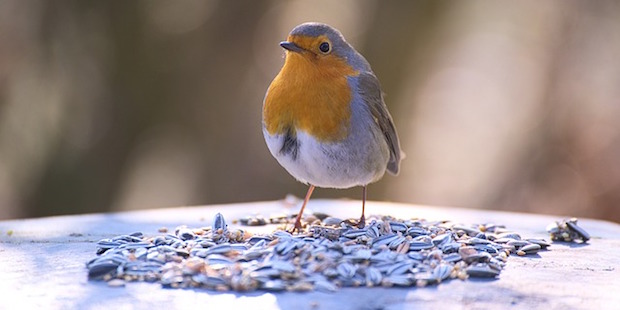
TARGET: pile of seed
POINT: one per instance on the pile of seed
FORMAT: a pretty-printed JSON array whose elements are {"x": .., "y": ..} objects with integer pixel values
[
  {"x": 567, "y": 230},
  {"x": 327, "y": 254}
]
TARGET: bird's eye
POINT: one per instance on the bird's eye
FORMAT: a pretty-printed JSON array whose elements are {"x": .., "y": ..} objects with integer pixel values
[{"x": 324, "y": 47}]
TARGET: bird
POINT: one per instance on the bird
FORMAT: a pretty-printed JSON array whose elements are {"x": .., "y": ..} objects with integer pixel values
[{"x": 324, "y": 118}]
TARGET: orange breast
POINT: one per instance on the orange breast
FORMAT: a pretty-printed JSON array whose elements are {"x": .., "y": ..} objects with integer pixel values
[{"x": 311, "y": 93}]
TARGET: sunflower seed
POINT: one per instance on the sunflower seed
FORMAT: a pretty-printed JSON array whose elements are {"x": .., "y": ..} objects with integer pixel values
[
  {"x": 531, "y": 248},
  {"x": 543, "y": 244},
  {"x": 219, "y": 222},
  {"x": 481, "y": 271},
  {"x": 346, "y": 270},
  {"x": 373, "y": 276},
  {"x": 583, "y": 235}
]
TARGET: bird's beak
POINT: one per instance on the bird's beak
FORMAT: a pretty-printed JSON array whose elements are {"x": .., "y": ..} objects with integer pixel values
[{"x": 290, "y": 46}]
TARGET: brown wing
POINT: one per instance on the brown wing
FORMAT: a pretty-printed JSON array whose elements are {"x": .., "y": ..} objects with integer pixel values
[{"x": 371, "y": 92}]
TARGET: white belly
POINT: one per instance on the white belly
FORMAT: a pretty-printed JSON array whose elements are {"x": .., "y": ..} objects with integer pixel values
[{"x": 353, "y": 162}]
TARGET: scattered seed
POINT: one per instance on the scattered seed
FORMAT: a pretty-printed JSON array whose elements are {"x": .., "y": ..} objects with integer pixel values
[{"x": 567, "y": 230}]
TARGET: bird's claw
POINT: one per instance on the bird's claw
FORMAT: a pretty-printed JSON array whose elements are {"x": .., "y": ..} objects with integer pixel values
[
  {"x": 296, "y": 227},
  {"x": 362, "y": 223}
]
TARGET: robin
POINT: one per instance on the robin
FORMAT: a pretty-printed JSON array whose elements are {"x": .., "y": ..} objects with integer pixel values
[{"x": 324, "y": 119}]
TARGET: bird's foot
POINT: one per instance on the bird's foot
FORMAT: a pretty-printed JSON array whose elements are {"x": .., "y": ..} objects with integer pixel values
[
  {"x": 362, "y": 223},
  {"x": 296, "y": 227}
]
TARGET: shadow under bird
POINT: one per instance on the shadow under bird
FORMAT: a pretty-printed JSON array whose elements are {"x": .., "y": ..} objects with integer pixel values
[{"x": 324, "y": 118}]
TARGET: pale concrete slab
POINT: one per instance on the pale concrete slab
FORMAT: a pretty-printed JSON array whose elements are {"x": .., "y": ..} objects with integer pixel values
[{"x": 42, "y": 265}]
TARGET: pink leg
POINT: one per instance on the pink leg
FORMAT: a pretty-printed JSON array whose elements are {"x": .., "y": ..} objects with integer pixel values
[
  {"x": 362, "y": 221},
  {"x": 303, "y": 206}
]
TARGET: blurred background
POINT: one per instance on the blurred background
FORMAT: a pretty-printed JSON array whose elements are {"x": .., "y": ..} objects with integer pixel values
[{"x": 118, "y": 105}]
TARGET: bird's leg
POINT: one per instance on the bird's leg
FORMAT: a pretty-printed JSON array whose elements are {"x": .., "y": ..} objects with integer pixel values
[
  {"x": 362, "y": 221},
  {"x": 303, "y": 206}
]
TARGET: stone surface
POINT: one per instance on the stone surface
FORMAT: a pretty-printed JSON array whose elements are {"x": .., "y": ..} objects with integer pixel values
[{"x": 43, "y": 264}]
